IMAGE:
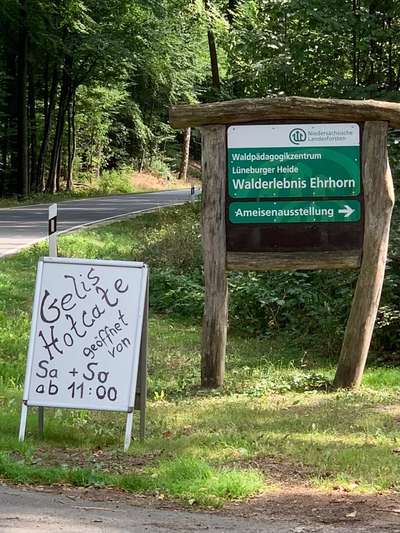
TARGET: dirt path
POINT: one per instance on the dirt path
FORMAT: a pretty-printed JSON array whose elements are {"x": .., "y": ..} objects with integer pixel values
[{"x": 70, "y": 510}]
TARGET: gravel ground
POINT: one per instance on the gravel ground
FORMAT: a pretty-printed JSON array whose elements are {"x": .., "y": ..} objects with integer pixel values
[{"x": 57, "y": 509}]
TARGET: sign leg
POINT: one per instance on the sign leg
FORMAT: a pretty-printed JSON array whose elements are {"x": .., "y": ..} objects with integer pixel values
[
  {"x": 128, "y": 431},
  {"x": 142, "y": 429},
  {"x": 22, "y": 424},
  {"x": 41, "y": 420},
  {"x": 143, "y": 366}
]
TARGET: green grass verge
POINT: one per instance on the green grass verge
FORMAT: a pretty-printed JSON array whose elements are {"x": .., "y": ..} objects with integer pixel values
[{"x": 203, "y": 447}]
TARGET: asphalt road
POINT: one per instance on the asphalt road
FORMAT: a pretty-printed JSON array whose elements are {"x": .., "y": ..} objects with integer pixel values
[
  {"x": 23, "y": 226},
  {"x": 25, "y": 511}
]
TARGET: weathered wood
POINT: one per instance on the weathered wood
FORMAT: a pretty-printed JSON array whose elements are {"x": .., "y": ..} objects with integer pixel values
[
  {"x": 379, "y": 200},
  {"x": 287, "y": 261},
  {"x": 214, "y": 256},
  {"x": 294, "y": 107}
]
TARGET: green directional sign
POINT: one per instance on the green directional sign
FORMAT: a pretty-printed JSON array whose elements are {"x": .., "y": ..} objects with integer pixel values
[
  {"x": 294, "y": 187},
  {"x": 285, "y": 161},
  {"x": 294, "y": 211}
]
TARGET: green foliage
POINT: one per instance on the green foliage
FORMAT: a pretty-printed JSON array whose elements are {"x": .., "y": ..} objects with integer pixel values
[
  {"x": 194, "y": 480},
  {"x": 102, "y": 75},
  {"x": 178, "y": 293},
  {"x": 160, "y": 168},
  {"x": 314, "y": 48},
  {"x": 113, "y": 181},
  {"x": 97, "y": 109}
]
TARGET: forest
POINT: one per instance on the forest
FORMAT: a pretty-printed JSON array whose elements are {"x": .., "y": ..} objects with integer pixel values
[{"x": 85, "y": 85}]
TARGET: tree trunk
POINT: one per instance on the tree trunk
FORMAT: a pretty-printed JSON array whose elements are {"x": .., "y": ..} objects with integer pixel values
[
  {"x": 51, "y": 185},
  {"x": 33, "y": 129},
  {"x": 59, "y": 169},
  {"x": 185, "y": 155},
  {"x": 232, "y": 5},
  {"x": 3, "y": 167},
  {"x": 22, "y": 135},
  {"x": 49, "y": 101},
  {"x": 71, "y": 143},
  {"x": 7, "y": 125},
  {"x": 355, "y": 42},
  {"x": 216, "y": 82},
  {"x": 99, "y": 161},
  {"x": 11, "y": 111},
  {"x": 214, "y": 60}
]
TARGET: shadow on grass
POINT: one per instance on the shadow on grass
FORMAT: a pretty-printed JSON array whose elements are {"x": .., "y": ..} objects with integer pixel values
[{"x": 345, "y": 439}]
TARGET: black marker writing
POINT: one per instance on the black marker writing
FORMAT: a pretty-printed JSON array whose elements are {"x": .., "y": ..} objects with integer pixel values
[{"x": 53, "y": 344}]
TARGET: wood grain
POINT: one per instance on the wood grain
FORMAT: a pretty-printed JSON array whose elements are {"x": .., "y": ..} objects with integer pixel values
[
  {"x": 293, "y": 107},
  {"x": 379, "y": 200},
  {"x": 214, "y": 255},
  {"x": 287, "y": 261}
]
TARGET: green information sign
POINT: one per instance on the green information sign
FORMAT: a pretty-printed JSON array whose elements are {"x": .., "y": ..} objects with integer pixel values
[
  {"x": 294, "y": 211},
  {"x": 299, "y": 161}
]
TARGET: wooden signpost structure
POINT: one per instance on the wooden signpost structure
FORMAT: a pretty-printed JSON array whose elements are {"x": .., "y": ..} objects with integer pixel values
[{"x": 328, "y": 160}]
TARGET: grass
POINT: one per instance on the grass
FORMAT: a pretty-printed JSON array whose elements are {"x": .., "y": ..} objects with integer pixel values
[{"x": 202, "y": 447}]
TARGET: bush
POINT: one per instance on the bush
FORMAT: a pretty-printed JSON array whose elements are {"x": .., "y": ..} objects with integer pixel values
[
  {"x": 160, "y": 168},
  {"x": 115, "y": 181},
  {"x": 303, "y": 304}
]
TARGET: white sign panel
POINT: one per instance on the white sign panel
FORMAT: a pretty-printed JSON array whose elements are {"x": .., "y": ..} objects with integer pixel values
[
  {"x": 290, "y": 135},
  {"x": 86, "y": 334}
]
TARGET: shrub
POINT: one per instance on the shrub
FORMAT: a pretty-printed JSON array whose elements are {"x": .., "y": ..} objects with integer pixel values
[
  {"x": 115, "y": 181},
  {"x": 314, "y": 304}
]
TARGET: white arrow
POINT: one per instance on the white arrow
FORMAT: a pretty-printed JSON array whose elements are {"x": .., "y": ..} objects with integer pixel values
[{"x": 347, "y": 211}]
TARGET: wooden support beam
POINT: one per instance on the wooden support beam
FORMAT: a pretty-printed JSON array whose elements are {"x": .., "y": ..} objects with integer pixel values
[
  {"x": 379, "y": 200},
  {"x": 287, "y": 108},
  {"x": 267, "y": 261},
  {"x": 214, "y": 255}
]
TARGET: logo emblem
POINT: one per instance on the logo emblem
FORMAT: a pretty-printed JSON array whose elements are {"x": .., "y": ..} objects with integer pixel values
[{"x": 297, "y": 136}]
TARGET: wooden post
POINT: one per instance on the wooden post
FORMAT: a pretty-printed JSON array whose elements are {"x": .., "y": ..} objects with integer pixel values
[
  {"x": 379, "y": 200},
  {"x": 214, "y": 255}
]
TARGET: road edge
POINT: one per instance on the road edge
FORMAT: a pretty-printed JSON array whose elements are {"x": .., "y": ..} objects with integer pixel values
[{"x": 91, "y": 225}]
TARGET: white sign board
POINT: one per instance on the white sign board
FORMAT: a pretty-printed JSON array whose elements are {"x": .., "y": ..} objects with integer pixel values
[
  {"x": 86, "y": 334},
  {"x": 290, "y": 135}
]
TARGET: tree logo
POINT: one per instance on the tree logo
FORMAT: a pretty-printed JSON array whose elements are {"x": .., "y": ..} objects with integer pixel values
[{"x": 297, "y": 136}]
